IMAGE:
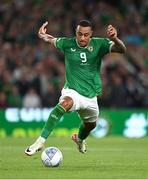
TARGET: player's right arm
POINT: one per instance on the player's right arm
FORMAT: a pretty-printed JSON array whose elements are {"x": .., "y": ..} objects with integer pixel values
[{"x": 46, "y": 37}]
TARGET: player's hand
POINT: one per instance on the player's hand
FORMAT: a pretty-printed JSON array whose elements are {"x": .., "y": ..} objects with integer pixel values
[
  {"x": 42, "y": 30},
  {"x": 111, "y": 32},
  {"x": 42, "y": 33}
]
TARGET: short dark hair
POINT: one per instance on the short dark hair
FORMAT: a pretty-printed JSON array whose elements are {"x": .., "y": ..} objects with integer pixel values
[{"x": 85, "y": 23}]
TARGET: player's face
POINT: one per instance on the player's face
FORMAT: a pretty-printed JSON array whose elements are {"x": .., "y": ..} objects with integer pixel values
[{"x": 83, "y": 35}]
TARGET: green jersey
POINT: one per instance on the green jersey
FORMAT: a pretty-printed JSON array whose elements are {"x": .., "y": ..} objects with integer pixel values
[{"x": 83, "y": 64}]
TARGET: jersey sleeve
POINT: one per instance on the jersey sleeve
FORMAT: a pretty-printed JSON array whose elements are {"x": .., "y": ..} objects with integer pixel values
[
  {"x": 106, "y": 46},
  {"x": 60, "y": 43}
]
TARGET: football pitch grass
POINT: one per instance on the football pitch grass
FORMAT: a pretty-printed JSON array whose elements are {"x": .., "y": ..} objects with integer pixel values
[{"x": 107, "y": 158}]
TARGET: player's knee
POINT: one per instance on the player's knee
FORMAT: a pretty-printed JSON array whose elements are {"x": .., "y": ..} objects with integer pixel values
[
  {"x": 66, "y": 103},
  {"x": 90, "y": 126}
]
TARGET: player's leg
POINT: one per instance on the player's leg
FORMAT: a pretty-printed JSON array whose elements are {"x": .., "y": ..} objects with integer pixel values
[
  {"x": 85, "y": 129},
  {"x": 88, "y": 117},
  {"x": 55, "y": 115},
  {"x": 88, "y": 111},
  {"x": 64, "y": 105},
  {"x": 88, "y": 123}
]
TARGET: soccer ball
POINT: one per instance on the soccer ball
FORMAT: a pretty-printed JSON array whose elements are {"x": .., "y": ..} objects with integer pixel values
[{"x": 51, "y": 157}]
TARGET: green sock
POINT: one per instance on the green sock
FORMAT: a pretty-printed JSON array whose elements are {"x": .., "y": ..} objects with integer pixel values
[
  {"x": 83, "y": 132},
  {"x": 52, "y": 121}
]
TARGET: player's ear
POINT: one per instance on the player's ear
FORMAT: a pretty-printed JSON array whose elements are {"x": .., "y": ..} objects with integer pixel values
[
  {"x": 76, "y": 30},
  {"x": 91, "y": 33}
]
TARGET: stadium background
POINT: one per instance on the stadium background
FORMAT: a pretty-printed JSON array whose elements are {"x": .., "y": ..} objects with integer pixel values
[
  {"x": 31, "y": 77},
  {"x": 32, "y": 72}
]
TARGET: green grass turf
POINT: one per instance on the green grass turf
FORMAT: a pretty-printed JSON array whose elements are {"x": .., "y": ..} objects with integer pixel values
[{"x": 110, "y": 157}]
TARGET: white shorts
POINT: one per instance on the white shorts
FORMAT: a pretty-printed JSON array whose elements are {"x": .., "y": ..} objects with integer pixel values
[{"x": 87, "y": 108}]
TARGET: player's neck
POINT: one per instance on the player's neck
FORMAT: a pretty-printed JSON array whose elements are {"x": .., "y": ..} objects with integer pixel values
[{"x": 83, "y": 46}]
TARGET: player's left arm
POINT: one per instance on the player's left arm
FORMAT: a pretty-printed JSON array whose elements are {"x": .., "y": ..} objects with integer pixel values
[{"x": 118, "y": 45}]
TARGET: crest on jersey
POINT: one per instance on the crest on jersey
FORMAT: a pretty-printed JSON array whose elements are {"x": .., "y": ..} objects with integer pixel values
[{"x": 90, "y": 48}]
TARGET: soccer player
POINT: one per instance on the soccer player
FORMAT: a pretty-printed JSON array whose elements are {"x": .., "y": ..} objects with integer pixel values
[{"x": 83, "y": 55}]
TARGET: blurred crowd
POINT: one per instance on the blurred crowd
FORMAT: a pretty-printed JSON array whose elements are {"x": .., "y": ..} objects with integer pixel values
[{"x": 32, "y": 72}]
